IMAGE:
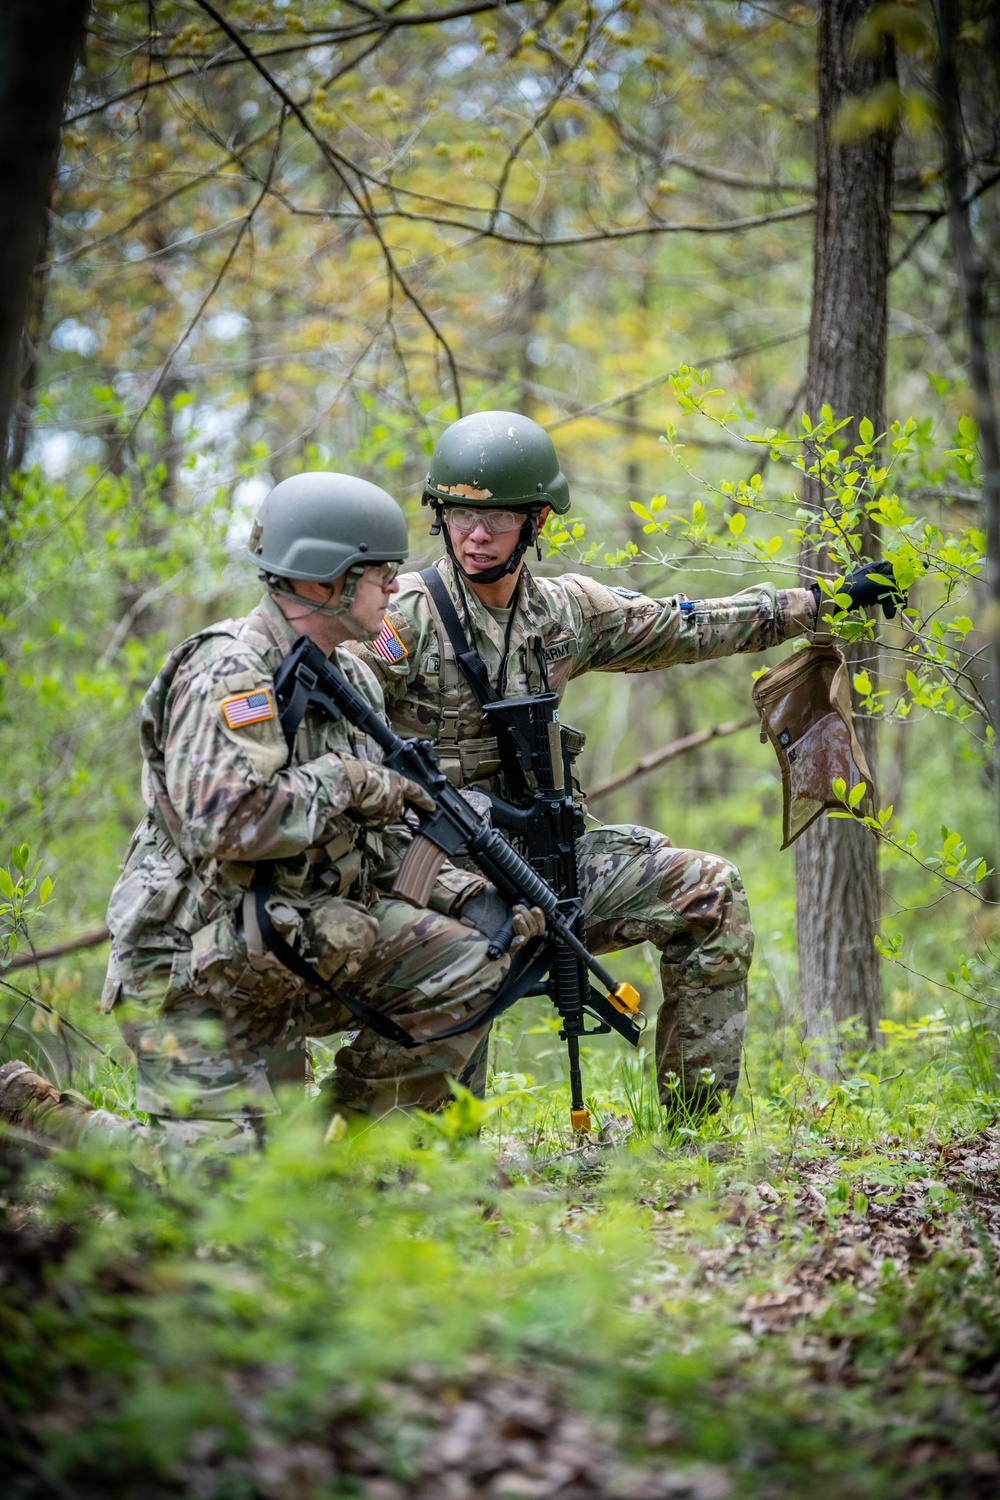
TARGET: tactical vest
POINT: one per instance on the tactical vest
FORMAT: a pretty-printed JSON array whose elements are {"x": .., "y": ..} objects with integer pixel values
[{"x": 161, "y": 892}]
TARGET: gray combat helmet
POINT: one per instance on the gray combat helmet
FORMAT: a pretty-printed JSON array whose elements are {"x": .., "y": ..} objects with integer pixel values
[
  {"x": 496, "y": 460},
  {"x": 317, "y": 526}
]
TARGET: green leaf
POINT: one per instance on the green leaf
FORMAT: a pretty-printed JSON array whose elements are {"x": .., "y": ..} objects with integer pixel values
[
  {"x": 840, "y": 788},
  {"x": 45, "y": 889},
  {"x": 863, "y": 684},
  {"x": 737, "y": 524},
  {"x": 6, "y": 884},
  {"x": 981, "y": 871},
  {"x": 857, "y": 794},
  {"x": 865, "y": 430}
]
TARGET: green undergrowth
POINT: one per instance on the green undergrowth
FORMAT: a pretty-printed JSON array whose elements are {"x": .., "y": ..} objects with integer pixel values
[{"x": 797, "y": 1295}]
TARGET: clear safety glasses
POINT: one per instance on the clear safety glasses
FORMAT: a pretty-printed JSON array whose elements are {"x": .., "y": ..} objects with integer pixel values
[
  {"x": 383, "y": 573},
  {"x": 460, "y": 519}
]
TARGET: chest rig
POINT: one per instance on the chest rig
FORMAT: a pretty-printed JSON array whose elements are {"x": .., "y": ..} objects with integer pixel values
[{"x": 471, "y": 759}]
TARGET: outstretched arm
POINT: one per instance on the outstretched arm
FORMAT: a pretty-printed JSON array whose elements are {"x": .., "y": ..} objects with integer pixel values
[{"x": 622, "y": 631}]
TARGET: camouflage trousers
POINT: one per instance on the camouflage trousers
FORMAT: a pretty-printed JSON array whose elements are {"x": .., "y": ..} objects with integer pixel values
[
  {"x": 212, "y": 1049},
  {"x": 638, "y": 888},
  {"x": 691, "y": 906}
]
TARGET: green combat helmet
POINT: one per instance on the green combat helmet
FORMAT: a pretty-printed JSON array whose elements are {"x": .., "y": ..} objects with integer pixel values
[
  {"x": 317, "y": 527},
  {"x": 496, "y": 460}
]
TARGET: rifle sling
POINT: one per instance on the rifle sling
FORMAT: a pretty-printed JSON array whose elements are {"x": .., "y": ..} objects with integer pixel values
[
  {"x": 283, "y": 951},
  {"x": 471, "y": 664},
  {"x": 473, "y": 669}
]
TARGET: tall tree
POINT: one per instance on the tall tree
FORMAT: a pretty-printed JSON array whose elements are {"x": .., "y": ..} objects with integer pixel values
[
  {"x": 972, "y": 270},
  {"x": 836, "y": 865},
  {"x": 39, "y": 46}
]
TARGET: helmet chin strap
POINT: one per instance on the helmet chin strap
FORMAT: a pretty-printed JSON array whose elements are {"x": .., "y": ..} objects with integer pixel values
[
  {"x": 528, "y": 538},
  {"x": 340, "y": 611}
]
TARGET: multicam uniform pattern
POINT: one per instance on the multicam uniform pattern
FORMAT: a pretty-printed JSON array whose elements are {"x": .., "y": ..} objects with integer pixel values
[
  {"x": 215, "y": 1021},
  {"x": 636, "y": 886}
]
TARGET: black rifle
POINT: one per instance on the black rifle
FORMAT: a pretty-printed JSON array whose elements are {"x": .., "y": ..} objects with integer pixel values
[
  {"x": 546, "y": 820},
  {"x": 307, "y": 676}
]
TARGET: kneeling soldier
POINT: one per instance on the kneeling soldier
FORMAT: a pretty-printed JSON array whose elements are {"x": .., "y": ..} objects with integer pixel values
[
  {"x": 494, "y": 477},
  {"x": 214, "y": 1018}
]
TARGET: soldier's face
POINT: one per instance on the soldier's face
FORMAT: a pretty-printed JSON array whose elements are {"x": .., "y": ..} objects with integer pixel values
[
  {"x": 372, "y": 595},
  {"x": 480, "y": 548}
]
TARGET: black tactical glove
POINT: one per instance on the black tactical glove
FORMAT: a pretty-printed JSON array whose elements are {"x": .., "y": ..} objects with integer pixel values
[
  {"x": 864, "y": 589},
  {"x": 488, "y": 911}
]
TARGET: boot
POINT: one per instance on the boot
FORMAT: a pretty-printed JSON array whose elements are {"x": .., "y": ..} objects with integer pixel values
[{"x": 37, "y": 1106}]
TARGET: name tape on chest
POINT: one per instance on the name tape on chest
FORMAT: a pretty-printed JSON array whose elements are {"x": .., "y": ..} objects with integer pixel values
[
  {"x": 388, "y": 646},
  {"x": 248, "y": 708},
  {"x": 559, "y": 651}
]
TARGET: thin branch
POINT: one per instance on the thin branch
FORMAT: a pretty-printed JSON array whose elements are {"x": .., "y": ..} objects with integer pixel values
[
  {"x": 667, "y": 752},
  {"x": 558, "y": 93},
  {"x": 648, "y": 385},
  {"x": 152, "y": 208},
  {"x": 736, "y": 180},
  {"x": 220, "y": 277},
  {"x": 50, "y": 1010},
  {"x": 934, "y": 216},
  {"x": 92, "y": 939},
  {"x": 384, "y": 25},
  {"x": 341, "y": 166}
]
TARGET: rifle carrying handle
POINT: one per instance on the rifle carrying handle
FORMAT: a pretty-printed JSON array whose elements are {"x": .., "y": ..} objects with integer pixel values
[{"x": 418, "y": 870}]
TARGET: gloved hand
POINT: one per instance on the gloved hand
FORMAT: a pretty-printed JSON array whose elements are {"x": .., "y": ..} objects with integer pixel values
[
  {"x": 488, "y": 912},
  {"x": 380, "y": 794},
  {"x": 864, "y": 589}
]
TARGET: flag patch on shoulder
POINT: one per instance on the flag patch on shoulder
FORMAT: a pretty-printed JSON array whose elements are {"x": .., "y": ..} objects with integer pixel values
[
  {"x": 248, "y": 708},
  {"x": 388, "y": 645}
]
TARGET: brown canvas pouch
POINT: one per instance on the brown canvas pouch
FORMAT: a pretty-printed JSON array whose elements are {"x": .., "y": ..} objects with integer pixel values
[{"x": 804, "y": 705}]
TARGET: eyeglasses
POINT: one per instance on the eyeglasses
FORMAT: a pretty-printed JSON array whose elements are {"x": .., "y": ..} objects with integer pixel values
[
  {"x": 383, "y": 573},
  {"x": 493, "y": 520}
]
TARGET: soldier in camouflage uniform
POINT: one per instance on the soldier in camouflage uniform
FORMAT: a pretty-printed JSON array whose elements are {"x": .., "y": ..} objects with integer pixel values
[
  {"x": 493, "y": 478},
  {"x": 215, "y": 1020}
]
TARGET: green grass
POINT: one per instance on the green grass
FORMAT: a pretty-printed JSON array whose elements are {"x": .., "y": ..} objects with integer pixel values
[{"x": 346, "y": 1295}]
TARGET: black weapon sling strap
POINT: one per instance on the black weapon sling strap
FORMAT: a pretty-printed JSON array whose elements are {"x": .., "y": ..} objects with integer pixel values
[
  {"x": 473, "y": 669},
  {"x": 290, "y": 717},
  {"x": 525, "y": 974},
  {"x": 470, "y": 663}
]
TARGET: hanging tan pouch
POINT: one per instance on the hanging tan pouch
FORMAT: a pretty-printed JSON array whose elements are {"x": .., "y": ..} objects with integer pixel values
[{"x": 804, "y": 705}]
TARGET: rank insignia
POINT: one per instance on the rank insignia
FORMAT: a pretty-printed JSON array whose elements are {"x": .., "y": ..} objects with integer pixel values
[
  {"x": 248, "y": 708},
  {"x": 388, "y": 645}
]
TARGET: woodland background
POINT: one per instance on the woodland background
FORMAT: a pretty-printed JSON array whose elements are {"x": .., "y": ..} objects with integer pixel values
[{"x": 286, "y": 235}]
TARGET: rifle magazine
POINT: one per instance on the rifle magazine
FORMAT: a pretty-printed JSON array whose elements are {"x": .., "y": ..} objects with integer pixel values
[{"x": 418, "y": 870}]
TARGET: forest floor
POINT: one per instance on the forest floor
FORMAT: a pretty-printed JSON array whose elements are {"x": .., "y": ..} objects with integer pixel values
[{"x": 801, "y": 1300}]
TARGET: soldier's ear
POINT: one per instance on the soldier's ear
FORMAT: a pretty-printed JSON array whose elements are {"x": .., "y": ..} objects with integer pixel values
[{"x": 543, "y": 515}]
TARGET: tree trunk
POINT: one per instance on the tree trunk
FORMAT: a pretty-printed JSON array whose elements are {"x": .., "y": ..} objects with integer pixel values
[
  {"x": 39, "y": 47},
  {"x": 836, "y": 864},
  {"x": 972, "y": 275}
]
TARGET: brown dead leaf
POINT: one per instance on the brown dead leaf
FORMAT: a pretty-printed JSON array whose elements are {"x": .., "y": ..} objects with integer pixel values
[{"x": 776, "y": 1312}]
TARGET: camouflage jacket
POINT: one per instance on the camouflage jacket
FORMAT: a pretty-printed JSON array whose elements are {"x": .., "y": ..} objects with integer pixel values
[
  {"x": 219, "y": 796},
  {"x": 561, "y": 627}
]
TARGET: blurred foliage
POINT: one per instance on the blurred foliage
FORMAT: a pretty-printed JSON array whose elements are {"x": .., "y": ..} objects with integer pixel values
[
  {"x": 541, "y": 201},
  {"x": 796, "y": 1296}
]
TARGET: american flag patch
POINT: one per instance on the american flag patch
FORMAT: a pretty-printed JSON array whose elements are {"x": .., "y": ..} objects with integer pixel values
[
  {"x": 248, "y": 708},
  {"x": 388, "y": 645}
]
